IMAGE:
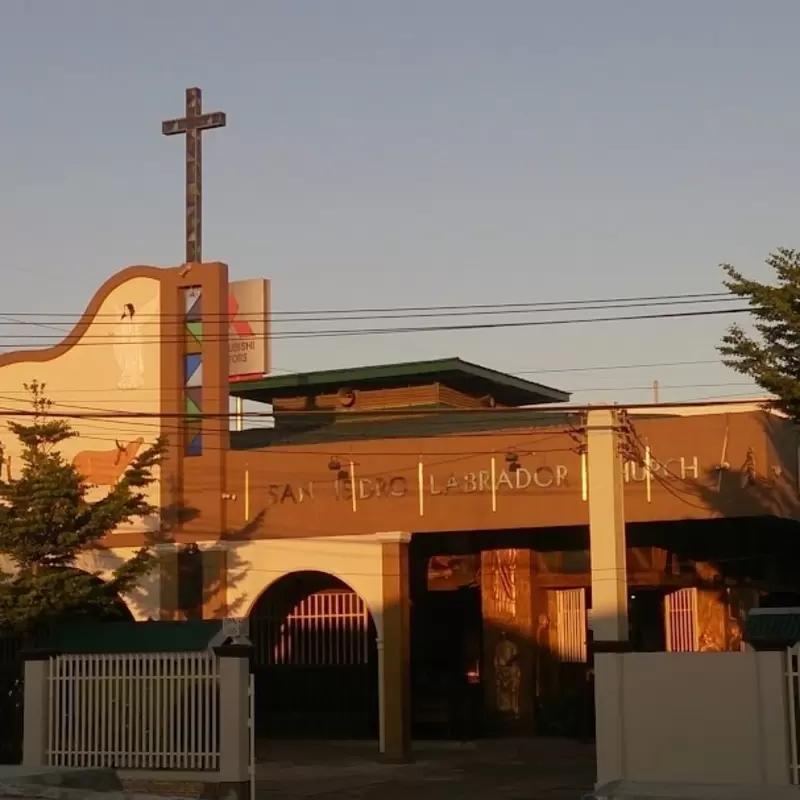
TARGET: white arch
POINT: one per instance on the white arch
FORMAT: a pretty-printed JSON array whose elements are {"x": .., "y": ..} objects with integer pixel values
[
  {"x": 376, "y": 614},
  {"x": 356, "y": 561}
]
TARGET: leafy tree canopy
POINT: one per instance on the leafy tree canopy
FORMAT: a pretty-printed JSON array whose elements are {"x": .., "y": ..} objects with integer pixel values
[
  {"x": 46, "y": 522},
  {"x": 771, "y": 356}
]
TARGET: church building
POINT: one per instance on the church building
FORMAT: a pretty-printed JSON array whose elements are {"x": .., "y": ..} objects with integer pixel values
[{"x": 409, "y": 543}]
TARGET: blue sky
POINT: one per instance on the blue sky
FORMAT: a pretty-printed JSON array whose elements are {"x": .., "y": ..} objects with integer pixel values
[{"x": 414, "y": 152}]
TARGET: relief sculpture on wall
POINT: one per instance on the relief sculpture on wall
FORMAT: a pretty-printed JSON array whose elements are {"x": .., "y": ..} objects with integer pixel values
[
  {"x": 106, "y": 467},
  {"x": 128, "y": 349},
  {"x": 507, "y": 676},
  {"x": 504, "y": 583}
]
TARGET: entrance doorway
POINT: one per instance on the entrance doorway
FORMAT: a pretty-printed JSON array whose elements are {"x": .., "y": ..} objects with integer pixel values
[
  {"x": 446, "y": 664},
  {"x": 315, "y": 660}
]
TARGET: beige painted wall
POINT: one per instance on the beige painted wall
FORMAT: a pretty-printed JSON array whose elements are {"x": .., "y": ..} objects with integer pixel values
[
  {"x": 99, "y": 373},
  {"x": 115, "y": 366},
  {"x": 694, "y": 717}
]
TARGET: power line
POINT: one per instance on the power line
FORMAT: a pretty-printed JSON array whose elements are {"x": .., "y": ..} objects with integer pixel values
[
  {"x": 572, "y": 390},
  {"x": 88, "y": 341},
  {"x": 274, "y": 317},
  {"x": 444, "y": 309},
  {"x": 556, "y": 371}
]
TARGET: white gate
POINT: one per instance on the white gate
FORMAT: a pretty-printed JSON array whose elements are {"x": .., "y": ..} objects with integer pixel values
[
  {"x": 571, "y": 625},
  {"x": 134, "y": 711},
  {"x": 680, "y": 621}
]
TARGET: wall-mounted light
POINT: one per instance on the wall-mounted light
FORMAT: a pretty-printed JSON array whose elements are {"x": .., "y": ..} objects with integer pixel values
[
  {"x": 512, "y": 461},
  {"x": 335, "y": 465}
]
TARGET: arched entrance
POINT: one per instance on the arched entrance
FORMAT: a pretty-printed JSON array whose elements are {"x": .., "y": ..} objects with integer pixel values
[{"x": 315, "y": 660}]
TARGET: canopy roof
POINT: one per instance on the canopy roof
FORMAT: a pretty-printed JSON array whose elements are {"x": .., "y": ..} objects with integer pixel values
[{"x": 454, "y": 373}]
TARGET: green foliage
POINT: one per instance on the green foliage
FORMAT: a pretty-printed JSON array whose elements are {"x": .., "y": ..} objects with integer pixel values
[
  {"x": 46, "y": 522},
  {"x": 771, "y": 357}
]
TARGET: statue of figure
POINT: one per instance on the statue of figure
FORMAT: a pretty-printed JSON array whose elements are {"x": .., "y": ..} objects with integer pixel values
[
  {"x": 507, "y": 676},
  {"x": 128, "y": 350}
]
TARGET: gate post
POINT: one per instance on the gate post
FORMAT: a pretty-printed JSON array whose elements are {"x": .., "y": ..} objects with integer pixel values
[
  {"x": 35, "y": 731},
  {"x": 234, "y": 719},
  {"x": 609, "y": 586},
  {"x": 394, "y": 647}
]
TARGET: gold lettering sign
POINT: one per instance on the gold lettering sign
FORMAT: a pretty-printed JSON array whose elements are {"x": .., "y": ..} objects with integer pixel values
[{"x": 394, "y": 486}]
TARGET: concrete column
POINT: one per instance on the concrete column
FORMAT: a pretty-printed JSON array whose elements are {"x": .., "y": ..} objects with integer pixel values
[
  {"x": 609, "y": 587},
  {"x": 394, "y": 649},
  {"x": 167, "y": 555},
  {"x": 234, "y": 713},
  {"x": 37, "y": 701}
]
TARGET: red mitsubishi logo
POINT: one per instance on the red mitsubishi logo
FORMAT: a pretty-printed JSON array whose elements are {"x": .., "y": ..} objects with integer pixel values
[{"x": 240, "y": 327}]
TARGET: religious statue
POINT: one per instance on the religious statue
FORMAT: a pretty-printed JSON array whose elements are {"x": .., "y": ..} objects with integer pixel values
[
  {"x": 504, "y": 582},
  {"x": 507, "y": 676},
  {"x": 128, "y": 350}
]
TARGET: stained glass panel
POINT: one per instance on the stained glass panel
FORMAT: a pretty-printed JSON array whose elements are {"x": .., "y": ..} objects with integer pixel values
[{"x": 193, "y": 370}]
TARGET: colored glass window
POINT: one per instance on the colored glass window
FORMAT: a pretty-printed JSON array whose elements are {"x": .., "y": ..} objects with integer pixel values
[{"x": 193, "y": 371}]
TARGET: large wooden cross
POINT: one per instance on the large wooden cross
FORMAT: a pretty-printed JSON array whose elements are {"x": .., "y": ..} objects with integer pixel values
[{"x": 193, "y": 124}]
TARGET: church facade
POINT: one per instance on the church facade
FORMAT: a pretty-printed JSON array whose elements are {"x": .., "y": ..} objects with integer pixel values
[{"x": 410, "y": 543}]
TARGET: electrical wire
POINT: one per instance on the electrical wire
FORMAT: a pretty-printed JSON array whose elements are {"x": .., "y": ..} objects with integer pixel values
[
  {"x": 337, "y": 313},
  {"x": 90, "y": 340}
]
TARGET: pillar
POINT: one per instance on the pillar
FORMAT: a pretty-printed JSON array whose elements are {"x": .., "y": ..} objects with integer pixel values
[
  {"x": 167, "y": 555},
  {"x": 37, "y": 699},
  {"x": 394, "y": 668},
  {"x": 509, "y": 639},
  {"x": 234, "y": 714},
  {"x": 609, "y": 621}
]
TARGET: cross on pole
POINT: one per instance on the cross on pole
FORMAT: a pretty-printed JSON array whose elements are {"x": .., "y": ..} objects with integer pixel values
[{"x": 193, "y": 124}]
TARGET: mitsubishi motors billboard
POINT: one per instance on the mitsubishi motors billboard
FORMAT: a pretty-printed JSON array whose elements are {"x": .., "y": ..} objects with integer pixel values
[{"x": 248, "y": 332}]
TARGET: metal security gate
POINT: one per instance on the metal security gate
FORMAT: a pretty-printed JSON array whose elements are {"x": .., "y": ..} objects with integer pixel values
[
  {"x": 571, "y": 624},
  {"x": 680, "y": 621},
  {"x": 315, "y": 664}
]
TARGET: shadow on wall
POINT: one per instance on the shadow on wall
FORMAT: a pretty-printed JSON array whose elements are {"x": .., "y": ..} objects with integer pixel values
[{"x": 744, "y": 554}]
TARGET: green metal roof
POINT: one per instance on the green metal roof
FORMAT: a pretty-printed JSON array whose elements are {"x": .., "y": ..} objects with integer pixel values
[
  {"x": 772, "y": 627},
  {"x": 133, "y": 637},
  {"x": 328, "y": 428},
  {"x": 470, "y": 378}
]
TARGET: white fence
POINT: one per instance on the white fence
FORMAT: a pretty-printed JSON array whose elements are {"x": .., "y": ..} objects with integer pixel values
[
  {"x": 134, "y": 711},
  {"x": 793, "y": 709}
]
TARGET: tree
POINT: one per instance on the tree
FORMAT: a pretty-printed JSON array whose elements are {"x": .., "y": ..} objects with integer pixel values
[
  {"x": 46, "y": 522},
  {"x": 771, "y": 357}
]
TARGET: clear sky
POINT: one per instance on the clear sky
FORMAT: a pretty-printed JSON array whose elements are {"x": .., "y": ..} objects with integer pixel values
[{"x": 414, "y": 152}]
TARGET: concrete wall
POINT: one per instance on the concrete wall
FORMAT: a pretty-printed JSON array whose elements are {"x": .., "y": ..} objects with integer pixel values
[{"x": 692, "y": 718}]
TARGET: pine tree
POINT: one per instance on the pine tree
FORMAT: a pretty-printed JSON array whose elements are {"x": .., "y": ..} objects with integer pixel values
[
  {"x": 771, "y": 357},
  {"x": 46, "y": 522}
]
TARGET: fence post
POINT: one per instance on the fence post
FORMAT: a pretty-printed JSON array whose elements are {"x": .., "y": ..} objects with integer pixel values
[
  {"x": 36, "y": 719},
  {"x": 234, "y": 713}
]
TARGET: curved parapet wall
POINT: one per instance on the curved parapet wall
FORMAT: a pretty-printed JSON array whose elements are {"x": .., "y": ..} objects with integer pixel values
[
  {"x": 110, "y": 361},
  {"x": 126, "y": 357}
]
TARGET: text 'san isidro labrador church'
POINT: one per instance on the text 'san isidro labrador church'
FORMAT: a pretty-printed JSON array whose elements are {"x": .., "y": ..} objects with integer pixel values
[{"x": 248, "y": 343}]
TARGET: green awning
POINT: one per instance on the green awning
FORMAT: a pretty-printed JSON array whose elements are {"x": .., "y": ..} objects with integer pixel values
[
  {"x": 772, "y": 627},
  {"x": 133, "y": 637}
]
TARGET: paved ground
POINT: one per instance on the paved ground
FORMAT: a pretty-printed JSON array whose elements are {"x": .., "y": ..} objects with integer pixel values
[{"x": 525, "y": 769}]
